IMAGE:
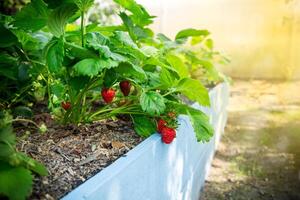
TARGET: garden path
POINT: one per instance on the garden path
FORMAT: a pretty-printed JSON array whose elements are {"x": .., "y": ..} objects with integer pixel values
[{"x": 259, "y": 154}]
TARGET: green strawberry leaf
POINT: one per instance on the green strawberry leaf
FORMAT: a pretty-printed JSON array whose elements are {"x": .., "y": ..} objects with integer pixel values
[
  {"x": 33, "y": 16},
  {"x": 209, "y": 43},
  {"x": 191, "y": 32},
  {"x": 140, "y": 16},
  {"x": 178, "y": 65},
  {"x": 167, "y": 79},
  {"x": 193, "y": 90},
  {"x": 91, "y": 66},
  {"x": 136, "y": 32},
  {"x": 55, "y": 55},
  {"x": 8, "y": 66},
  {"x": 7, "y": 136},
  {"x": 59, "y": 17},
  {"x": 200, "y": 123},
  {"x": 15, "y": 182},
  {"x": 152, "y": 103},
  {"x": 149, "y": 51},
  {"x": 94, "y": 39},
  {"x": 7, "y": 141},
  {"x": 84, "y": 5},
  {"x": 199, "y": 120},
  {"x": 57, "y": 91},
  {"x": 124, "y": 38},
  {"x": 143, "y": 125},
  {"x": 130, "y": 70},
  {"x": 22, "y": 111},
  {"x": 10, "y": 38},
  {"x": 98, "y": 42},
  {"x": 32, "y": 164}
]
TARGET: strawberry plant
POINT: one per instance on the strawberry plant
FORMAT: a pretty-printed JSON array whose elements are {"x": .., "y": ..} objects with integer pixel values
[
  {"x": 124, "y": 69},
  {"x": 21, "y": 72},
  {"x": 15, "y": 167}
]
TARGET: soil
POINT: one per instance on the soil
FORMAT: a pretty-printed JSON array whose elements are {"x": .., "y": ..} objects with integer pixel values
[
  {"x": 259, "y": 154},
  {"x": 73, "y": 154}
]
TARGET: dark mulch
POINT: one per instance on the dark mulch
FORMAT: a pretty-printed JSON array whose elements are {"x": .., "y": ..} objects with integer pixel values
[{"x": 73, "y": 154}]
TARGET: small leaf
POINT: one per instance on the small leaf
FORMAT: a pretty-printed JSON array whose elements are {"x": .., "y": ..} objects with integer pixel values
[
  {"x": 143, "y": 125},
  {"x": 149, "y": 50},
  {"x": 7, "y": 136},
  {"x": 191, "y": 32},
  {"x": 32, "y": 164},
  {"x": 211, "y": 71},
  {"x": 167, "y": 79},
  {"x": 209, "y": 43},
  {"x": 84, "y": 5},
  {"x": 194, "y": 90},
  {"x": 135, "y": 31},
  {"x": 55, "y": 55},
  {"x": 8, "y": 66},
  {"x": 163, "y": 38},
  {"x": 7, "y": 141},
  {"x": 14, "y": 179},
  {"x": 33, "y": 16},
  {"x": 199, "y": 120},
  {"x": 6, "y": 151},
  {"x": 110, "y": 78},
  {"x": 152, "y": 103},
  {"x": 140, "y": 15},
  {"x": 95, "y": 38},
  {"x": 57, "y": 90},
  {"x": 201, "y": 125},
  {"x": 77, "y": 83},
  {"x": 22, "y": 111},
  {"x": 10, "y": 38},
  {"x": 131, "y": 70},
  {"x": 178, "y": 65},
  {"x": 98, "y": 42},
  {"x": 91, "y": 66},
  {"x": 125, "y": 39},
  {"x": 59, "y": 18}
]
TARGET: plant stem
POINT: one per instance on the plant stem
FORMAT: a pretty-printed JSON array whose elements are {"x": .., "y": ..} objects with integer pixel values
[
  {"x": 25, "y": 120},
  {"x": 82, "y": 28},
  {"x": 168, "y": 93}
]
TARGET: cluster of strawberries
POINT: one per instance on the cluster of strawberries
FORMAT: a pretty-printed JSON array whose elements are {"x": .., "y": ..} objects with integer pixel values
[
  {"x": 164, "y": 127},
  {"x": 108, "y": 94},
  {"x": 167, "y": 133}
]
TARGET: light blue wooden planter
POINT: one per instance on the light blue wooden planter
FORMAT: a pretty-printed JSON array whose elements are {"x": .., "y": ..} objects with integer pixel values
[{"x": 155, "y": 171}]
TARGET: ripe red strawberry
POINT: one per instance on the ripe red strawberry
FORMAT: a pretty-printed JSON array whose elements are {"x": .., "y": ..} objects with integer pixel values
[
  {"x": 160, "y": 125},
  {"x": 66, "y": 105},
  {"x": 125, "y": 87},
  {"x": 108, "y": 94},
  {"x": 168, "y": 135}
]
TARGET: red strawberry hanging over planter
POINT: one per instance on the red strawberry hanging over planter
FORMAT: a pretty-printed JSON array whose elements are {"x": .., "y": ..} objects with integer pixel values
[
  {"x": 168, "y": 135},
  {"x": 160, "y": 125},
  {"x": 66, "y": 105},
  {"x": 125, "y": 87},
  {"x": 108, "y": 94}
]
